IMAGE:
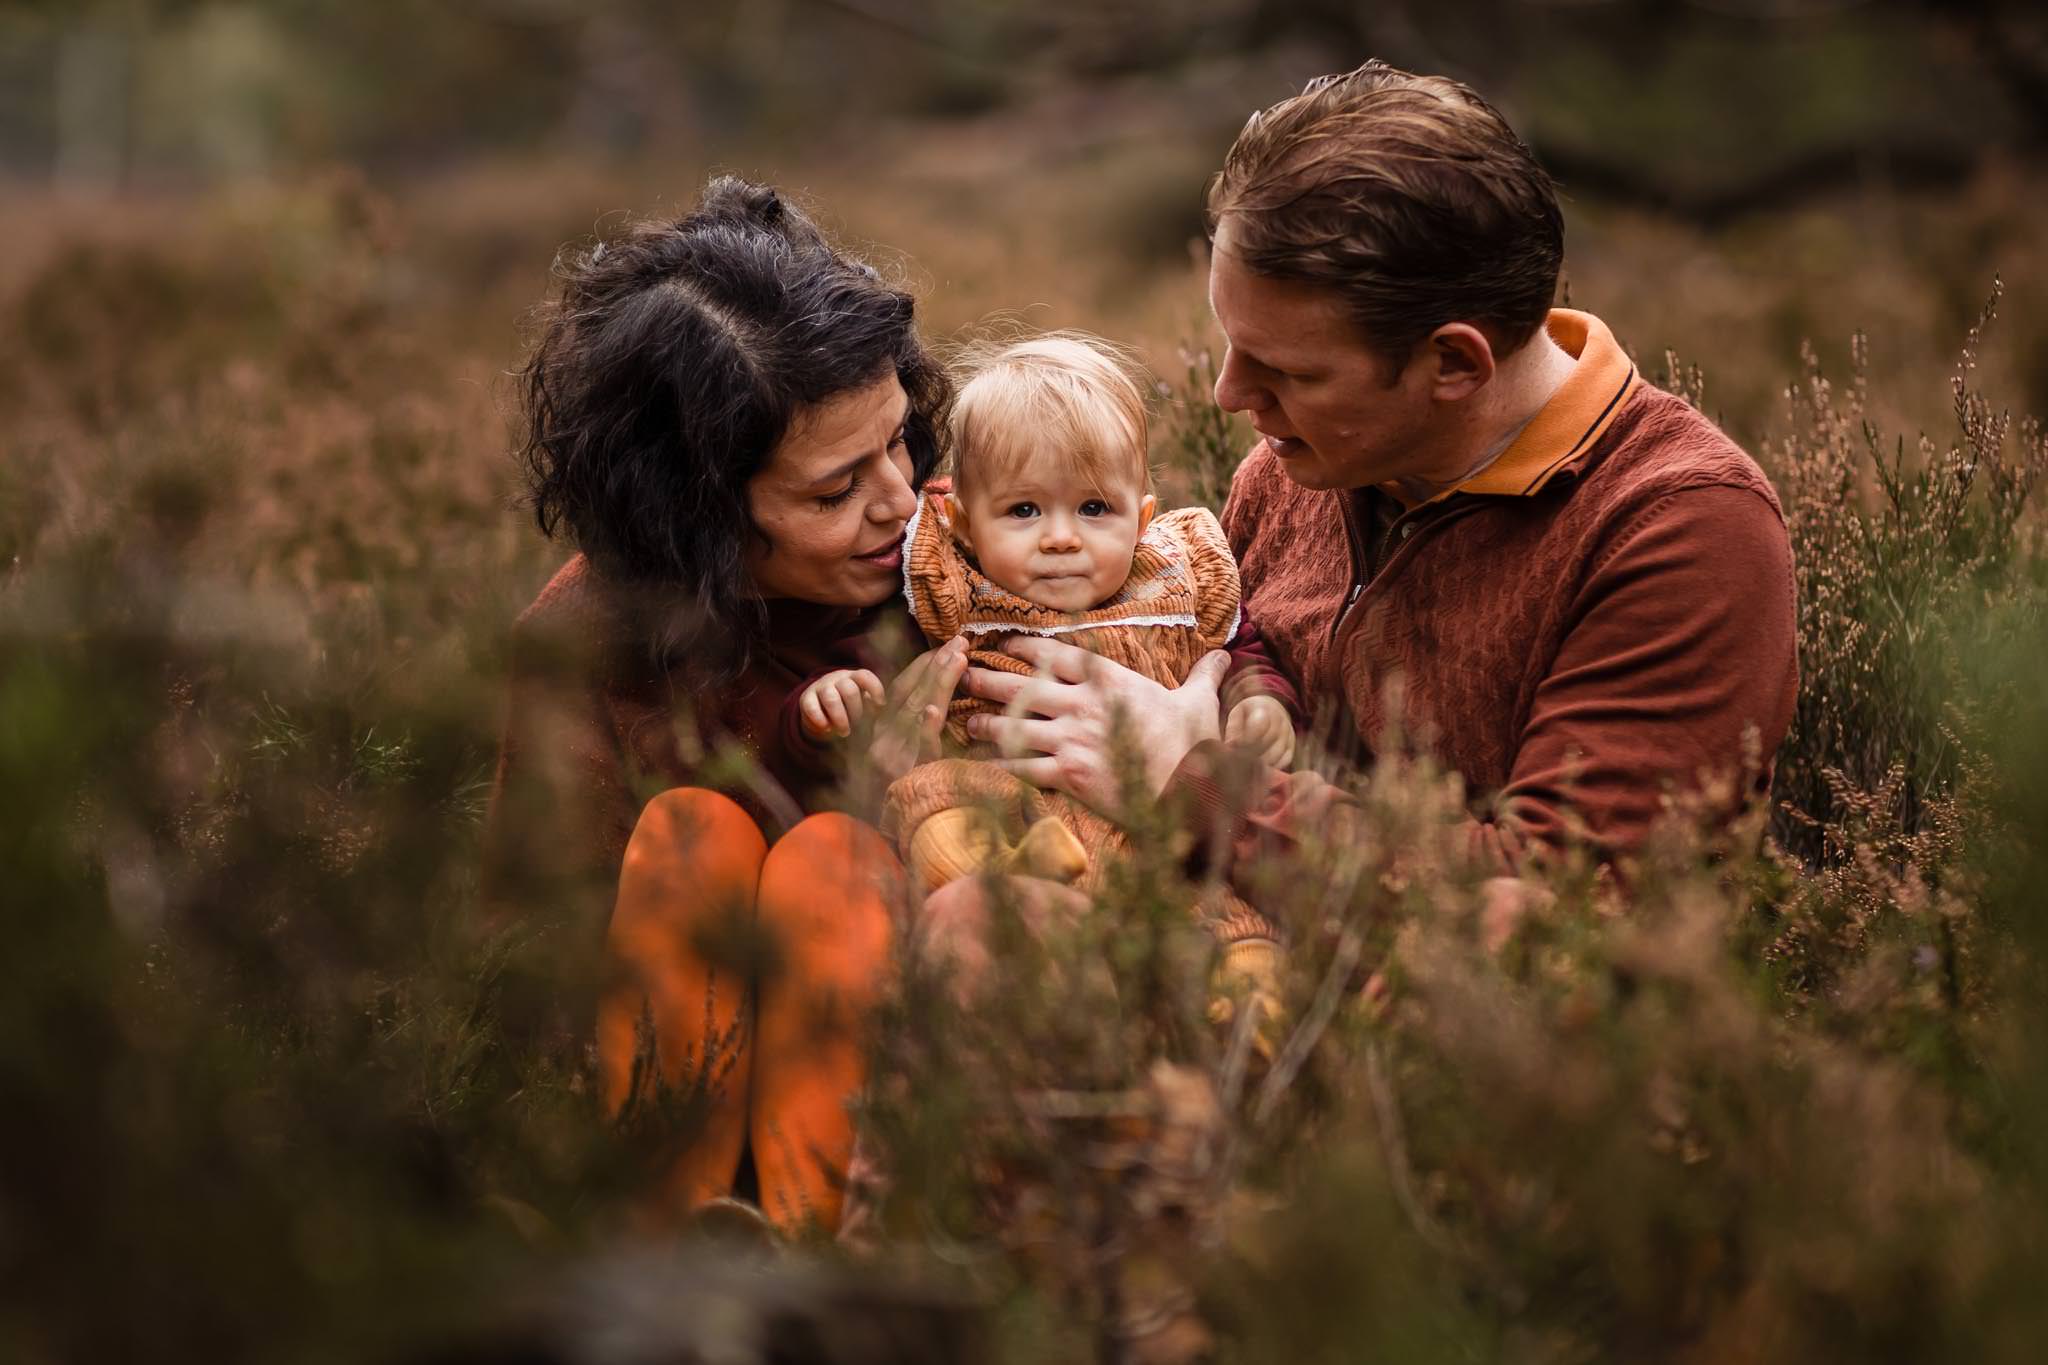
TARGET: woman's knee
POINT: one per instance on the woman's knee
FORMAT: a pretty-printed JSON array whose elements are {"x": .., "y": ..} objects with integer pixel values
[
  {"x": 831, "y": 889},
  {"x": 694, "y": 854},
  {"x": 706, "y": 829},
  {"x": 831, "y": 857}
]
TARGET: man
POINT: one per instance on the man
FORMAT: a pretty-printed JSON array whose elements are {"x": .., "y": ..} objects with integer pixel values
[{"x": 1469, "y": 521}]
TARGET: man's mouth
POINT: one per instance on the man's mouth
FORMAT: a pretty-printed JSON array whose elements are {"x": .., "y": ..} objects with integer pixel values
[{"x": 1285, "y": 447}]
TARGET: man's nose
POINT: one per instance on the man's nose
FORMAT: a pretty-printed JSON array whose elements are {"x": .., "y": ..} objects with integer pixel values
[{"x": 1234, "y": 392}]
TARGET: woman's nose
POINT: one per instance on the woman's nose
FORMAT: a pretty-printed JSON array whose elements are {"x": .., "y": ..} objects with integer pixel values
[
  {"x": 1234, "y": 393},
  {"x": 897, "y": 498}
]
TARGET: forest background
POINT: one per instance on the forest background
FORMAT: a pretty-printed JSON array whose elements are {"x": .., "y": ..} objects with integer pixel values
[{"x": 269, "y": 1095}]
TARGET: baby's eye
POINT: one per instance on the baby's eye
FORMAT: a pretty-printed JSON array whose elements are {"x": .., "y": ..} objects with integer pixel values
[
  {"x": 1095, "y": 507},
  {"x": 1022, "y": 510}
]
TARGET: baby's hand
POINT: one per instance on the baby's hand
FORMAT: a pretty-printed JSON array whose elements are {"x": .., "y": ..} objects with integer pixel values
[
  {"x": 834, "y": 704},
  {"x": 1261, "y": 723}
]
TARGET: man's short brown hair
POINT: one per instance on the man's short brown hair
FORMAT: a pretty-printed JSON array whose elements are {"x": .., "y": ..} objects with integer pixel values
[{"x": 1409, "y": 195}]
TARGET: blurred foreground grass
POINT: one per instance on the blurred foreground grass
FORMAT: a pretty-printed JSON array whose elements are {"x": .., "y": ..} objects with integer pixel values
[{"x": 273, "y": 1094}]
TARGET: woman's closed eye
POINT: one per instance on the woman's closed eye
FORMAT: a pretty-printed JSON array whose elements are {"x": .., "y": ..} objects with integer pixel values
[{"x": 839, "y": 499}]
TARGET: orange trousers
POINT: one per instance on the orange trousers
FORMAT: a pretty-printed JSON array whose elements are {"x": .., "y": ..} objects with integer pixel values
[{"x": 781, "y": 1055}]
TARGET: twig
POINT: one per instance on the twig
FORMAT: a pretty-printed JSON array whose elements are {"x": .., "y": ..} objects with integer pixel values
[
  {"x": 1238, "y": 1056},
  {"x": 1295, "y": 1054},
  {"x": 1386, "y": 1111},
  {"x": 1386, "y": 1108},
  {"x": 1086, "y": 1104}
]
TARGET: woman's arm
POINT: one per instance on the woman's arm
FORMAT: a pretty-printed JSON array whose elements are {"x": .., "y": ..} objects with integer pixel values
[{"x": 560, "y": 809}]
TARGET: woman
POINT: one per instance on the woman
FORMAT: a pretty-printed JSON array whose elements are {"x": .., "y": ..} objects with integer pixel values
[{"x": 730, "y": 421}]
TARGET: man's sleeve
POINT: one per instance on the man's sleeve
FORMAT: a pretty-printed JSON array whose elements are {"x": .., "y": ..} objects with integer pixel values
[
  {"x": 1254, "y": 672},
  {"x": 1681, "y": 667}
]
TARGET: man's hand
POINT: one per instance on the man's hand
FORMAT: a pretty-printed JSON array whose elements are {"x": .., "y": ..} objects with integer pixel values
[
  {"x": 1261, "y": 724},
  {"x": 832, "y": 705},
  {"x": 911, "y": 726},
  {"x": 1060, "y": 728}
]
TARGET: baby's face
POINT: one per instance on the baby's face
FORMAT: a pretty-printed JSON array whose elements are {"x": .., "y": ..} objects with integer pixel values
[{"x": 1057, "y": 540}]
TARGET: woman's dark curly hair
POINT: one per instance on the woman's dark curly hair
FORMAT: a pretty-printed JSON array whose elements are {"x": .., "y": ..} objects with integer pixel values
[{"x": 666, "y": 373}]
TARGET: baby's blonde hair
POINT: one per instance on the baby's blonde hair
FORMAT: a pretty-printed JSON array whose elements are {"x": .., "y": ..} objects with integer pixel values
[{"x": 1069, "y": 395}]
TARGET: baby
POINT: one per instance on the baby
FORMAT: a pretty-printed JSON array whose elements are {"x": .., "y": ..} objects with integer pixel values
[{"x": 1051, "y": 528}]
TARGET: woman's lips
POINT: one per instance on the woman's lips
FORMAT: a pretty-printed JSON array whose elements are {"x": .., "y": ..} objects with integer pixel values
[{"x": 888, "y": 557}]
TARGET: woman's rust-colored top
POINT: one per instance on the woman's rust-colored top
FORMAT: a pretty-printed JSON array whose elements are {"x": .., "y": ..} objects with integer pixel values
[{"x": 596, "y": 726}]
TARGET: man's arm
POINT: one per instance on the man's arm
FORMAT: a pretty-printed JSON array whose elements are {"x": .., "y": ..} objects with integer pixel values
[
  {"x": 1682, "y": 666},
  {"x": 1255, "y": 672}
]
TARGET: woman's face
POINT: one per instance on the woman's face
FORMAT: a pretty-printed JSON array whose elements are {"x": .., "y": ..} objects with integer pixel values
[{"x": 833, "y": 499}]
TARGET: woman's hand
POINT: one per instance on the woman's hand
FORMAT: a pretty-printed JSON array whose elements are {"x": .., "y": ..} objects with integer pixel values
[
  {"x": 1062, "y": 725},
  {"x": 908, "y": 731}
]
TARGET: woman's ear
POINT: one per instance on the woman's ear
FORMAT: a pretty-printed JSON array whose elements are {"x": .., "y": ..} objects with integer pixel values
[
  {"x": 956, "y": 517},
  {"x": 1146, "y": 507}
]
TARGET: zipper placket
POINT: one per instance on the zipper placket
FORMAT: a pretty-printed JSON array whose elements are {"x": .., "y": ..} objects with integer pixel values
[
  {"x": 1355, "y": 546},
  {"x": 1401, "y": 533}
]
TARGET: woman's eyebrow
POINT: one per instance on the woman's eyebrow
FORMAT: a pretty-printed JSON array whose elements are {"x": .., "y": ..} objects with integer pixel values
[
  {"x": 841, "y": 471},
  {"x": 834, "y": 475}
]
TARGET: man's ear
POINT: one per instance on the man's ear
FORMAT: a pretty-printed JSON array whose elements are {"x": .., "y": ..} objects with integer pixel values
[
  {"x": 1461, "y": 359},
  {"x": 956, "y": 517},
  {"x": 1146, "y": 507}
]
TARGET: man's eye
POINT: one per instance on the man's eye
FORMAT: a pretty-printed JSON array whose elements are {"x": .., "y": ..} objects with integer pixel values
[
  {"x": 1095, "y": 507},
  {"x": 1023, "y": 510}
]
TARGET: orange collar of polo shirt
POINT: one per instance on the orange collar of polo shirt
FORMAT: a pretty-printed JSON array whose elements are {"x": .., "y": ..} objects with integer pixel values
[{"x": 1567, "y": 426}]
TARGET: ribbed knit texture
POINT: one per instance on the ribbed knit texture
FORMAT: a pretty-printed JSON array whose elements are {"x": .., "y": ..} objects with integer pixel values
[
  {"x": 1574, "y": 653},
  {"x": 1180, "y": 602}
]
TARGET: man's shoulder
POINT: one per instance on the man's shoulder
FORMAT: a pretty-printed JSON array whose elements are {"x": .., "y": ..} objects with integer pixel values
[{"x": 1660, "y": 445}]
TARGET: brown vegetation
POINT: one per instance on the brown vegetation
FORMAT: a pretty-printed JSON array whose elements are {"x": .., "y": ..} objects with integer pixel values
[{"x": 271, "y": 1096}]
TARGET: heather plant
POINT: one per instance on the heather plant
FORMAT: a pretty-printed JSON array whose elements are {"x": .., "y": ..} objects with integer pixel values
[
  {"x": 1898, "y": 554},
  {"x": 1725, "y": 1103},
  {"x": 278, "y": 1089},
  {"x": 1200, "y": 445}
]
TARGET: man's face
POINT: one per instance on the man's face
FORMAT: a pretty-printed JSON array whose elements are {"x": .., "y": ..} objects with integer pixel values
[
  {"x": 1312, "y": 388},
  {"x": 1053, "y": 538}
]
